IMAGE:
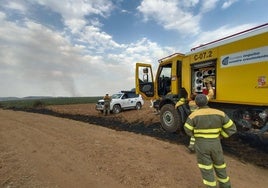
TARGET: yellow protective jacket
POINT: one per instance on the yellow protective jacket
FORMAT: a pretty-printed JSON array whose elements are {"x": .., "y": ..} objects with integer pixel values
[{"x": 207, "y": 122}]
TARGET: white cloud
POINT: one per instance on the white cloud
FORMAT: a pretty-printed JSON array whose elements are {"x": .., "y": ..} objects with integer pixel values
[
  {"x": 97, "y": 39},
  {"x": 189, "y": 3},
  {"x": 16, "y": 5},
  {"x": 171, "y": 15},
  {"x": 73, "y": 12},
  {"x": 75, "y": 25},
  {"x": 41, "y": 61},
  {"x": 208, "y": 5},
  {"x": 228, "y": 3},
  {"x": 35, "y": 55}
]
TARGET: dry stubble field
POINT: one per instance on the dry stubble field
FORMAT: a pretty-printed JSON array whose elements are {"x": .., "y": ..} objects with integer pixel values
[{"x": 38, "y": 150}]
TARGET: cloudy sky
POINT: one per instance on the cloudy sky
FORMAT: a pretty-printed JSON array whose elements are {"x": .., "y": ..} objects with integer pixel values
[{"x": 90, "y": 47}]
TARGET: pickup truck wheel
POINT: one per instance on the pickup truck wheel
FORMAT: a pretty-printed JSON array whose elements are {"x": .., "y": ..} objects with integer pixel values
[
  {"x": 170, "y": 119},
  {"x": 138, "y": 106},
  {"x": 116, "y": 109}
]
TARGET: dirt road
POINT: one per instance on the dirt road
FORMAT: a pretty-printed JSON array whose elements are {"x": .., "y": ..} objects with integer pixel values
[{"x": 44, "y": 151}]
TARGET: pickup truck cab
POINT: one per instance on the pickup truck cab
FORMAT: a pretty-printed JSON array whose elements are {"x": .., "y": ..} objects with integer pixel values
[{"x": 123, "y": 100}]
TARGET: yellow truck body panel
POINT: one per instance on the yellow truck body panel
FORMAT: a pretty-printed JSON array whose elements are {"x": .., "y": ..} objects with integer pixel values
[{"x": 241, "y": 69}]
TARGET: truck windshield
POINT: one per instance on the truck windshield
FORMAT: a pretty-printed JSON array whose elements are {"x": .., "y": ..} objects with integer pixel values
[{"x": 116, "y": 96}]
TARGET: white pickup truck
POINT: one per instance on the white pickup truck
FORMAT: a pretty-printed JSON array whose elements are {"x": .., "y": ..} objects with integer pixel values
[{"x": 122, "y": 101}]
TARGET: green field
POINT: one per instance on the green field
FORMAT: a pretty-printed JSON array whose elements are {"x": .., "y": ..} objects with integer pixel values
[{"x": 34, "y": 103}]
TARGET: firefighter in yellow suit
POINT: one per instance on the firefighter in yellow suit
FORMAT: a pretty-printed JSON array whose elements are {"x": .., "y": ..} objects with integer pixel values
[{"x": 208, "y": 125}]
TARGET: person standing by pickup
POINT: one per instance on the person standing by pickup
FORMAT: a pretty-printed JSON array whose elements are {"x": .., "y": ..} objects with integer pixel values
[{"x": 107, "y": 101}]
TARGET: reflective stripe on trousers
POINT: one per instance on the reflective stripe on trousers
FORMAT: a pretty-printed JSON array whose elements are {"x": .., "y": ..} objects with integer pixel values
[
  {"x": 192, "y": 140},
  {"x": 210, "y": 158}
]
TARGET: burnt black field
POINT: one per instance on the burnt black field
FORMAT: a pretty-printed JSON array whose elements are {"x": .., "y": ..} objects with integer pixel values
[{"x": 248, "y": 148}]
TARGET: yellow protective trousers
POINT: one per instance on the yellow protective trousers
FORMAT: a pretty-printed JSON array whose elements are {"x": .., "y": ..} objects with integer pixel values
[{"x": 210, "y": 159}]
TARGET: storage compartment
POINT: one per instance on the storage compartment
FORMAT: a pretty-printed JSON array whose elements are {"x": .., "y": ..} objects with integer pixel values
[{"x": 203, "y": 73}]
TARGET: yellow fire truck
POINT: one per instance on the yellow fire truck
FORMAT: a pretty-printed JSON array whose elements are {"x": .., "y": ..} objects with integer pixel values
[{"x": 237, "y": 68}]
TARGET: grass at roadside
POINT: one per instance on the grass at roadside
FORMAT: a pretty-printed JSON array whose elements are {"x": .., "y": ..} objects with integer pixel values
[{"x": 34, "y": 103}]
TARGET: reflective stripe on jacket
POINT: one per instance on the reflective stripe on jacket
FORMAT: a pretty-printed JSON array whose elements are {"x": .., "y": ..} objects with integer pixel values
[{"x": 207, "y": 122}]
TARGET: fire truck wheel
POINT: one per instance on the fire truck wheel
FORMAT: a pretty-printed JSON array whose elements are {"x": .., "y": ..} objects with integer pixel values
[{"x": 170, "y": 118}]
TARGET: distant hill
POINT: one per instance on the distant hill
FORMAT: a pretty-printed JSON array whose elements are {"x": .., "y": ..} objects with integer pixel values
[
  {"x": 23, "y": 98},
  {"x": 8, "y": 98}
]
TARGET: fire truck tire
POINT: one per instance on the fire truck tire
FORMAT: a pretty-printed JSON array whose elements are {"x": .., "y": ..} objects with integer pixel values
[{"x": 170, "y": 118}]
